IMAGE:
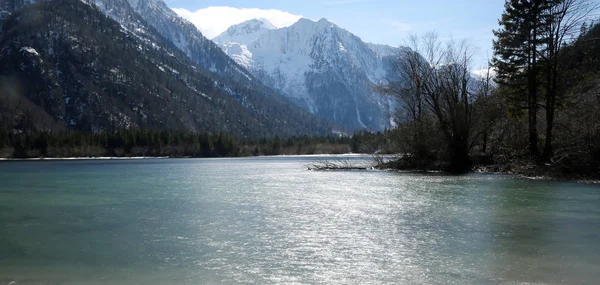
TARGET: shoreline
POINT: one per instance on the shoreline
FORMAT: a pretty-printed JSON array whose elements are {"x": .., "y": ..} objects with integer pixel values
[
  {"x": 476, "y": 170},
  {"x": 543, "y": 177},
  {"x": 168, "y": 157},
  {"x": 84, "y": 158},
  {"x": 593, "y": 181}
]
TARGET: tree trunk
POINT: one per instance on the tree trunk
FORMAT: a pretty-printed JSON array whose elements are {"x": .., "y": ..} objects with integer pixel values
[
  {"x": 533, "y": 140},
  {"x": 532, "y": 77},
  {"x": 459, "y": 156},
  {"x": 485, "y": 140},
  {"x": 548, "y": 150},
  {"x": 550, "y": 110}
]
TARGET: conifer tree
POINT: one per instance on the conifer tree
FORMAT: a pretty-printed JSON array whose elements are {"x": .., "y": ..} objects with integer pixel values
[
  {"x": 516, "y": 54},
  {"x": 526, "y": 55}
]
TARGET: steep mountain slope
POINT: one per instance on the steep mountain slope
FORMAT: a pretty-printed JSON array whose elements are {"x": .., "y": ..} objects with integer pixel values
[
  {"x": 320, "y": 66},
  {"x": 64, "y": 63},
  {"x": 186, "y": 37}
]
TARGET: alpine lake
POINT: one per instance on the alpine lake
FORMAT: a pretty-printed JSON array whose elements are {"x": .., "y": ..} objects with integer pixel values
[{"x": 269, "y": 220}]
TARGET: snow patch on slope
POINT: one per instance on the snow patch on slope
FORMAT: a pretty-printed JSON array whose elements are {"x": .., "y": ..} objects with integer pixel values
[
  {"x": 246, "y": 32},
  {"x": 30, "y": 50}
]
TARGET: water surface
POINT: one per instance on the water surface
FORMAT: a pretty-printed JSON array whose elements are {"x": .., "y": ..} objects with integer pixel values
[{"x": 270, "y": 221}]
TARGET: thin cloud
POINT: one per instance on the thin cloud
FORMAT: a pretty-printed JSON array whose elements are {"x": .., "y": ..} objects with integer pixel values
[
  {"x": 213, "y": 21},
  {"x": 398, "y": 25},
  {"x": 347, "y": 2}
]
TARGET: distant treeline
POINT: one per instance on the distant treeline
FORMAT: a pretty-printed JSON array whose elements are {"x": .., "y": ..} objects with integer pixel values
[{"x": 160, "y": 143}]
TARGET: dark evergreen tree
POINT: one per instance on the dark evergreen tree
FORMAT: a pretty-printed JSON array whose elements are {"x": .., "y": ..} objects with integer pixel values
[
  {"x": 526, "y": 57},
  {"x": 516, "y": 54}
]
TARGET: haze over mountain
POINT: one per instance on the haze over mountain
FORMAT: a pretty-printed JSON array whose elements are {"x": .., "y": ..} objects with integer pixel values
[{"x": 320, "y": 66}]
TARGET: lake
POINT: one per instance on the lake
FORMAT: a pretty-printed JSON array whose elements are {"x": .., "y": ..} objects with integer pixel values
[{"x": 271, "y": 221}]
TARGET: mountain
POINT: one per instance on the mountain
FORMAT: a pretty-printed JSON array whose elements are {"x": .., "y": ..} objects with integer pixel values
[
  {"x": 64, "y": 63},
  {"x": 247, "y": 31},
  {"x": 320, "y": 66},
  {"x": 186, "y": 37}
]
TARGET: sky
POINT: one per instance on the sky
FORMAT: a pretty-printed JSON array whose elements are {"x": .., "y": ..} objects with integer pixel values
[{"x": 378, "y": 21}]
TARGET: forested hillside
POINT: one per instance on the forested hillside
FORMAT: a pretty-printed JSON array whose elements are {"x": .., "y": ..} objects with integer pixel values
[{"x": 64, "y": 64}]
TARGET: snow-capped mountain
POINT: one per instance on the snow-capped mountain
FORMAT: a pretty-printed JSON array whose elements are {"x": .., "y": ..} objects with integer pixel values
[
  {"x": 158, "y": 16},
  {"x": 141, "y": 67},
  {"x": 186, "y": 37},
  {"x": 320, "y": 66},
  {"x": 247, "y": 32}
]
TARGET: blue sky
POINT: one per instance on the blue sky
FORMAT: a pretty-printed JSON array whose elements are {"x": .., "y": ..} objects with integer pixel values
[{"x": 378, "y": 21}]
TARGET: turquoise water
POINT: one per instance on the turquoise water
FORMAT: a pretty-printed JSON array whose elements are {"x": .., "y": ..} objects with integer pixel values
[{"x": 270, "y": 221}]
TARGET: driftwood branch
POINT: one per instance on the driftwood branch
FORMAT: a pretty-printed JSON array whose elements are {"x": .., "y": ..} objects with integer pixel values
[{"x": 339, "y": 164}]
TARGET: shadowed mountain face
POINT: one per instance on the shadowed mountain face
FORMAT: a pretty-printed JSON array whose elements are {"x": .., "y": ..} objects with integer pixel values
[
  {"x": 320, "y": 66},
  {"x": 187, "y": 38},
  {"x": 66, "y": 64}
]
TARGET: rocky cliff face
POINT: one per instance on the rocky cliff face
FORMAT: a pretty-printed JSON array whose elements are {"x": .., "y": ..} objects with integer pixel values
[{"x": 186, "y": 37}]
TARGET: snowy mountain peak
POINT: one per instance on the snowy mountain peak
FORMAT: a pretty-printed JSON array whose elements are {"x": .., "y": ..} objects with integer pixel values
[
  {"x": 310, "y": 25},
  {"x": 311, "y": 22},
  {"x": 250, "y": 27},
  {"x": 261, "y": 23},
  {"x": 318, "y": 65},
  {"x": 246, "y": 31}
]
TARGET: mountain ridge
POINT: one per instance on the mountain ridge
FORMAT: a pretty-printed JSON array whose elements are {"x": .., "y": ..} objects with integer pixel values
[
  {"x": 133, "y": 78},
  {"x": 322, "y": 67}
]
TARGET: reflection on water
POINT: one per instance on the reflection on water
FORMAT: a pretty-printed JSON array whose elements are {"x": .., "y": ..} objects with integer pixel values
[{"x": 269, "y": 221}]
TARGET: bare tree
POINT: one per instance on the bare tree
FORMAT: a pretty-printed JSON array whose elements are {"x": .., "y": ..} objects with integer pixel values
[
  {"x": 488, "y": 111},
  {"x": 407, "y": 85},
  {"x": 433, "y": 79}
]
